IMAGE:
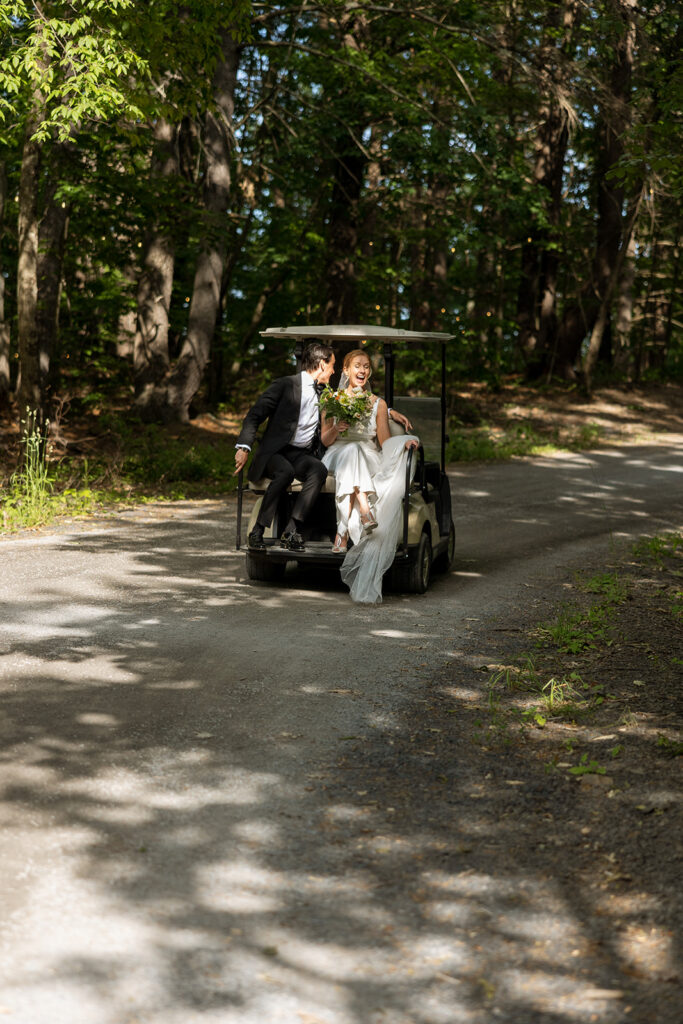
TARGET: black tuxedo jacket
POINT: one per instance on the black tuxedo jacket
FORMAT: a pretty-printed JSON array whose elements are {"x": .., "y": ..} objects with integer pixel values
[{"x": 280, "y": 404}]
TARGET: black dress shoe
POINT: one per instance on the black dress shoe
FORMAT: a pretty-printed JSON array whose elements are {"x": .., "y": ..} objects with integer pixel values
[
  {"x": 255, "y": 539},
  {"x": 292, "y": 540}
]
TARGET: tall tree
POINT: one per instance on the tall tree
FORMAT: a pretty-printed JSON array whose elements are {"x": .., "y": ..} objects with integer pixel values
[
  {"x": 537, "y": 313},
  {"x": 593, "y": 304},
  {"x": 151, "y": 357},
  {"x": 63, "y": 66},
  {"x": 185, "y": 377},
  {"x": 4, "y": 325}
]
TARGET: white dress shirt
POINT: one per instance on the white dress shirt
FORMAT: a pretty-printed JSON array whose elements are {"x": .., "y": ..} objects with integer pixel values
[{"x": 309, "y": 413}]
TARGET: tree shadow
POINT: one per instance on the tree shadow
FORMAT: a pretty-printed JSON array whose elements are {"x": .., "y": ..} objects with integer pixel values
[{"x": 209, "y": 820}]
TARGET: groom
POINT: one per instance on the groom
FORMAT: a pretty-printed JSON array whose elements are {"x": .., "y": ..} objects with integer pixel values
[{"x": 291, "y": 444}]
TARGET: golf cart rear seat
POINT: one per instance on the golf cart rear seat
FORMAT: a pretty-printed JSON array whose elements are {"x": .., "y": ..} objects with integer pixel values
[
  {"x": 259, "y": 486},
  {"x": 424, "y": 414}
]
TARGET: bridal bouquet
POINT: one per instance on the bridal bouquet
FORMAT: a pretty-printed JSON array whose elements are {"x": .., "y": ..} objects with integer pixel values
[{"x": 343, "y": 406}]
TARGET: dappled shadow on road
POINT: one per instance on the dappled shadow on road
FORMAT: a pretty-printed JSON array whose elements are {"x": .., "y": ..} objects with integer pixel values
[{"x": 237, "y": 841}]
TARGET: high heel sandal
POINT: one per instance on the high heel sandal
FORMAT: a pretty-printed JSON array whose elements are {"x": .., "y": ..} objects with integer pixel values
[
  {"x": 340, "y": 544},
  {"x": 368, "y": 521}
]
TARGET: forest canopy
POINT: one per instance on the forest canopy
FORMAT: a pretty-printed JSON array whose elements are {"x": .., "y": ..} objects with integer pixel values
[{"x": 176, "y": 177}]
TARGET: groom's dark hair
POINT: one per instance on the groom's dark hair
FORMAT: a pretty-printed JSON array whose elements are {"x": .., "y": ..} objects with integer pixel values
[{"x": 315, "y": 354}]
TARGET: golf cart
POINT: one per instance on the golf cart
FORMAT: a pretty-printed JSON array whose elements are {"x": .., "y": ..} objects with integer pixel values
[{"x": 426, "y": 541}]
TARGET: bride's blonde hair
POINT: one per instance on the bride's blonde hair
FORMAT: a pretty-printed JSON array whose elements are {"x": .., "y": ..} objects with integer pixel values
[{"x": 352, "y": 355}]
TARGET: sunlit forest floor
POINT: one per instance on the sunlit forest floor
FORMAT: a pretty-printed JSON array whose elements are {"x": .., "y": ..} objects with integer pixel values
[{"x": 524, "y": 420}]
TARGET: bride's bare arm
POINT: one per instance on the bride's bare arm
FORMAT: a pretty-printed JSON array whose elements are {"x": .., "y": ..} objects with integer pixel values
[
  {"x": 382, "y": 422},
  {"x": 329, "y": 430}
]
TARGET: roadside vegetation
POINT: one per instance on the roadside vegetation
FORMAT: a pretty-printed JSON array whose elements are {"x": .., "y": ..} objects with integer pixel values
[
  {"x": 597, "y": 689},
  {"x": 96, "y": 456},
  {"x": 134, "y": 463}
]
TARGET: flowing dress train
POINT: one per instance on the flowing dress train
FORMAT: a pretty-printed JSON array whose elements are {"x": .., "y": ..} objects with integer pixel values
[{"x": 357, "y": 461}]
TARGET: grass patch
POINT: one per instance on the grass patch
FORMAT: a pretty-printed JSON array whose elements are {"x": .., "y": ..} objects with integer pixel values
[
  {"x": 158, "y": 462},
  {"x": 578, "y": 629},
  {"x": 141, "y": 463},
  {"x": 557, "y": 681},
  {"x": 656, "y": 549},
  {"x": 486, "y": 443},
  {"x": 605, "y": 647}
]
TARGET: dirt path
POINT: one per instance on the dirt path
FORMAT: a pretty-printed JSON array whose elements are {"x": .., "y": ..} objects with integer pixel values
[{"x": 225, "y": 802}]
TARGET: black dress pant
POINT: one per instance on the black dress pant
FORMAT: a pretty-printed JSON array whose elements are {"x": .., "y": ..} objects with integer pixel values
[{"x": 282, "y": 467}]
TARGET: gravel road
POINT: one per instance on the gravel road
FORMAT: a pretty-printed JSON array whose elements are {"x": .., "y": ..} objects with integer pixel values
[{"x": 178, "y": 843}]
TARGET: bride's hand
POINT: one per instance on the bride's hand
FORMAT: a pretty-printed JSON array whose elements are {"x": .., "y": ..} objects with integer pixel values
[
  {"x": 342, "y": 426},
  {"x": 411, "y": 444}
]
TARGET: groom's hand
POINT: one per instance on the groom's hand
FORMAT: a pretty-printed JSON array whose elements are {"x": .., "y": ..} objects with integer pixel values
[{"x": 241, "y": 456}]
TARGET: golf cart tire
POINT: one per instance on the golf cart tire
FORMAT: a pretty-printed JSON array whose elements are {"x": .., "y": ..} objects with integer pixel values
[
  {"x": 413, "y": 576},
  {"x": 261, "y": 568},
  {"x": 444, "y": 561}
]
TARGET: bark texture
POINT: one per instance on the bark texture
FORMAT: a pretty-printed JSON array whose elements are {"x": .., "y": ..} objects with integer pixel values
[
  {"x": 32, "y": 382},
  {"x": 537, "y": 294},
  {"x": 4, "y": 326},
  {"x": 150, "y": 347},
  {"x": 349, "y": 163},
  {"x": 183, "y": 381},
  {"x": 581, "y": 317},
  {"x": 51, "y": 238}
]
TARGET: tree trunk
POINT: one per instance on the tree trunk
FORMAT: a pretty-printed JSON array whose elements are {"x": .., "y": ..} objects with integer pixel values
[
  {"x": 31, "y": 385},
  {"x": 351, "y": 25},
  {"x": 127, "y": 322},
  {"x": 601, "y": 321},
  {"x": 4, "y": 326},
  {"x": 185, "y": 378},
  {"x": 624, "y": 313},
  {"x": 673, "y": 292},
  {"x": 418, "y": 258},
  {"x": 661, "y": 307},
  {"x": 51, "y": 237},
  {"x": 537, "y": 292},
  {"x": 341, "y": 303},
  {"x": 150, "y": 346},
  {"x": 580, "y": 317},
  {"x": 430, "y": 287},
  {"x": 483, "y": 304}
]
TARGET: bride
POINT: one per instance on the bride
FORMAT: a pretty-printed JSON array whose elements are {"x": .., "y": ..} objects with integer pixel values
[{"x": 369, "y": 468}]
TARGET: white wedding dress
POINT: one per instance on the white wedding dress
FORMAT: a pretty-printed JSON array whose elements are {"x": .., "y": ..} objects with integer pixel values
[{"x": 357, "y": 461}]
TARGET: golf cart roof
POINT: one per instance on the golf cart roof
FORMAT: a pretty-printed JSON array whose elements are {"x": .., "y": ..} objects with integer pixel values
[{"x": 353, "y": 332}]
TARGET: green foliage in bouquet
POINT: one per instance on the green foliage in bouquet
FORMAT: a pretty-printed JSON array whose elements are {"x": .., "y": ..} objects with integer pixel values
[{"x": 343, "y": 406}]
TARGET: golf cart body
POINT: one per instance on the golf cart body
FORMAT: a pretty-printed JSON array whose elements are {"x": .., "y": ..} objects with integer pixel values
[{"x": 426, "y": 540}]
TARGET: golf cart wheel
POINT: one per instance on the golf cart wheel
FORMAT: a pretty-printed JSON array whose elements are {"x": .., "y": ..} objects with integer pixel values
[
  {"x": 260, "y": 568},
  {"x": 413, "y": 578},
  {"x": 444, "y": 561}
]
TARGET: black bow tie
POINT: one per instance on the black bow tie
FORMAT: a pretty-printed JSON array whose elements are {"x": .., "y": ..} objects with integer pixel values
[{"x": 319, "y": 388}]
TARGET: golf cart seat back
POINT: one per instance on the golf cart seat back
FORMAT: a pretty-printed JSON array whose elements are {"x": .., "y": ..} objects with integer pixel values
[{"x": 425, "y": 416}]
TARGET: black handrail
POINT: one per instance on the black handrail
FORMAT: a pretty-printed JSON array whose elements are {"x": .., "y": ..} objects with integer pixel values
[
  {"x": 406, "y": 501},
  {"x": 406, "y": 497},
  {"x": 388, "y": 374},
  {"x": 240, "y": 487},
  {"x": 444, "y": 435}
]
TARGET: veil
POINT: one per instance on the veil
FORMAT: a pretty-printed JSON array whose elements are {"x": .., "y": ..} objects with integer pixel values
[{"x": 344, "y": 380}]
